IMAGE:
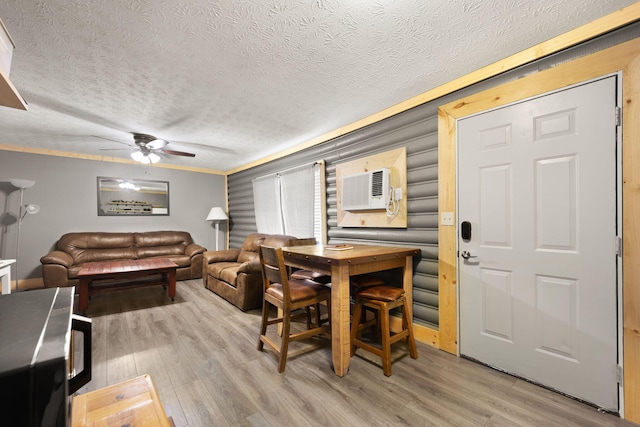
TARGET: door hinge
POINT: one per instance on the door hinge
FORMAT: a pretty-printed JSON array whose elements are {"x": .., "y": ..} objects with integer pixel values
[
  {"x": 618, "y": 116},
  {"x": 619, "y": 374},
  {"x": 618, "y": 246}
]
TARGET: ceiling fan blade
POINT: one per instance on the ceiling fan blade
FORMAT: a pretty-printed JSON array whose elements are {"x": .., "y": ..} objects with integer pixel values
[
  {"x": 176, "y": 153},
  {"x": 112, "y": 140},
  {"x": 216, "y": 148}
]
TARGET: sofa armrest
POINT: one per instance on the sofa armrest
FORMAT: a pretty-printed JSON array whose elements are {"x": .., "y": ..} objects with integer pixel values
[
  {"x": 230, "y": 255},
  {"x": 57, "y": 257},
  {"x": 194, "y": 249},
  {"x": 250, "y": 267}
]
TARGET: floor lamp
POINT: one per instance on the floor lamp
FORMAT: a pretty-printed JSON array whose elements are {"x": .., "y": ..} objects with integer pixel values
[
  {"x": 22, "y": 184},
  {"x": 217, "y": 214}
]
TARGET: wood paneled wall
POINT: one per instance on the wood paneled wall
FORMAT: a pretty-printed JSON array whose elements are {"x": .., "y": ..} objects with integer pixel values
[{"x": 414, "y": 132}]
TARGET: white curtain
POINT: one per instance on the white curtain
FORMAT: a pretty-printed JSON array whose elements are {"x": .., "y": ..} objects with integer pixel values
[
  {"x": 287, "y": 202},
  {"x": 267, "y": 204},
  {"x": 298, "y": 193}
]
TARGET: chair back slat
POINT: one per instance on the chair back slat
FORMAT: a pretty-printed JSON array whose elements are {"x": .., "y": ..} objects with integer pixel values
[{"x": 273, "y": 269}]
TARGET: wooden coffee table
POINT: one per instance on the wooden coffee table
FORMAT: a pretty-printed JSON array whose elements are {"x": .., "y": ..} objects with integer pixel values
[{"x": 118, "y": 271}]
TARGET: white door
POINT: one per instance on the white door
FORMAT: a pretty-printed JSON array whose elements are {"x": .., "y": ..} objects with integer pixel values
[{"x": 537, "y": 183}]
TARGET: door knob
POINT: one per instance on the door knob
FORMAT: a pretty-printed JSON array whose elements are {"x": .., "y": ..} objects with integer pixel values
[{"x": 467, "y": 255}]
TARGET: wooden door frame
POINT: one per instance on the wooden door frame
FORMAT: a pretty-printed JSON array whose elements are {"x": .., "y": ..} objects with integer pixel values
[{"x": 624, "y": 58}]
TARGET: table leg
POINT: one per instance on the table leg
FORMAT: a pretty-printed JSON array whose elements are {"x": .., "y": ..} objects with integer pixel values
[
  {"x": 340, "y": 320},
  {"x": 407, "y": 284},
  {"x": 171, "y": 277},
  {"x": 84, "y": 294},
  {"x": 5, "y": 274}
]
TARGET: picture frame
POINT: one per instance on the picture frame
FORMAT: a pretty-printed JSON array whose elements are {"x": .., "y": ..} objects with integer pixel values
[{"x": 132, "y": 197}]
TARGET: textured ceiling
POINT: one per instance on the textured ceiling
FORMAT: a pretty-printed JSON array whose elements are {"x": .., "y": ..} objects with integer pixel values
[{"x": 235, "y": 81}]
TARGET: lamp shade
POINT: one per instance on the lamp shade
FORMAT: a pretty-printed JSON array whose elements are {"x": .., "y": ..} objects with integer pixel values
[
  {"x": 32, "y": 209},
  {"x": 154, "y": 157},
  {"x": 217, "y": 214},
  {"x": 22, "y": 183}
]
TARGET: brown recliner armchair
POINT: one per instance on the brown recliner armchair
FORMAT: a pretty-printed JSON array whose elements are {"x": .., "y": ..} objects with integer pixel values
[{"x": 236, "y": 275}]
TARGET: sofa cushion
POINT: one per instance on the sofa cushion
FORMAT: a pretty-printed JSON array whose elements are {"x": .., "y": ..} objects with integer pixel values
[
  {"x": 225, "y": 271},
  {"x": 162, "y": 238},
  {"x": 88, "y": 247},
  {"x": 250, "y": 246},
  {"x": 160, "y": 251}
]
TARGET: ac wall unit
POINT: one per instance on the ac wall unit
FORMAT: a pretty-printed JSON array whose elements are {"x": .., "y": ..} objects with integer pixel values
[{"x": 366, "y": 191}]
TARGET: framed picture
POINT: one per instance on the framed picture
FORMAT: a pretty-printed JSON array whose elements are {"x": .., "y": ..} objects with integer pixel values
[{"x": 132, "y": 197}]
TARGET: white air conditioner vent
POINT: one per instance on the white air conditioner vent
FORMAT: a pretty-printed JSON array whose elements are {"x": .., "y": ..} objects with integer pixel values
[{"x": 366, "y": 191}]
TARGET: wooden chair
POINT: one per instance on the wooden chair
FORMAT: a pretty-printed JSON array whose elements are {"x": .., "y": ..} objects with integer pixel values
[
  {"x": 382, "y": 299},
  {"x": 288, "y": 296}
]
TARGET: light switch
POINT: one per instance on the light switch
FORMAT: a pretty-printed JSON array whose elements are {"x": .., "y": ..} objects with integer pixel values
[{"x": 446, "y": 218}]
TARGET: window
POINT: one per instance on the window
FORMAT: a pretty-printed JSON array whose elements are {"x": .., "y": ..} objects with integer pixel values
[{"x": 290, "y": 202}]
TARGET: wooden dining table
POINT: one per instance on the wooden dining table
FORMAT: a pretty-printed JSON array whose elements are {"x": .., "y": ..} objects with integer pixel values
[{"x": 341, "y": 265}]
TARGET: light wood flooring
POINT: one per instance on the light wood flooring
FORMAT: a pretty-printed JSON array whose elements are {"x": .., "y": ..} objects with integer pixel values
[{"x": 200, "y": 352}]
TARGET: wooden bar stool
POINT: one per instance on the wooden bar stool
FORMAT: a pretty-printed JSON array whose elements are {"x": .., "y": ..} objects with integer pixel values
[
  {"x": 362, "y": 281},
  {"x": 356, "y": 282},
  {"x": 382, "y": 299}
]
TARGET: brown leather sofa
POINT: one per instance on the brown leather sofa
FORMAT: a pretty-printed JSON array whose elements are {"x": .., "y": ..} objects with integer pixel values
[
  {"x": 61, "y": 266},
  {"x": 235, "y": 274}
]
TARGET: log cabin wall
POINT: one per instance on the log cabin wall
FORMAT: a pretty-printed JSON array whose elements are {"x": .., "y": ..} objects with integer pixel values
[{"x": 416, "y": 129}]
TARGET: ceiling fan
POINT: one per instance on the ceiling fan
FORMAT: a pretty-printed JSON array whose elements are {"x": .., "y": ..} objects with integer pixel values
[{"x": 148, "y": 148}]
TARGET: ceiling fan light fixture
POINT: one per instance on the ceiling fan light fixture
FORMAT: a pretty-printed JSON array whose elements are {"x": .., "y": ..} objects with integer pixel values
[
  {"x": 149, "y": 147},
  {"x": 138, "y": 156}
]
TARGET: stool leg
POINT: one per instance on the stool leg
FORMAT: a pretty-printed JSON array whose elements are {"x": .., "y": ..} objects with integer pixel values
[
  {"x": 263, "y": 326},
  {"x": 308, "y": 310},
  {"x": 318, "y": 321},
  {"x": 284, "y": 346},
  {"x": 406, "y": 324},
  {"x": 386, "y": 339},
  {"x": 376, "y": 314}
]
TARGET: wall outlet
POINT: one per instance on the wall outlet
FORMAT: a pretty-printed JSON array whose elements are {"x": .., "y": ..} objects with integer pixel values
[
  {"x": 398, "y": 194},
  {"x": 446, "y": 218}
]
